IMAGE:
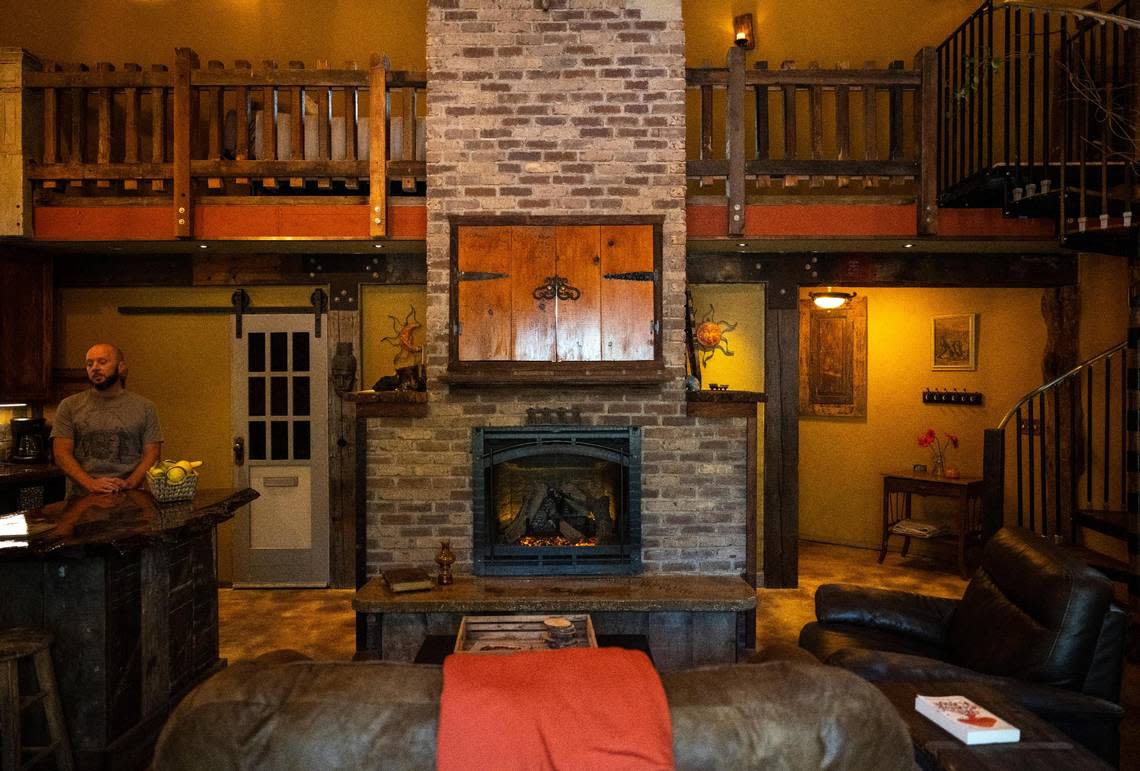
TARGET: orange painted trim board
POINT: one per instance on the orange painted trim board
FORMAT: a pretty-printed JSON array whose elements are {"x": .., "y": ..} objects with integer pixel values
[
  {"x": 816, "y": 220},
  {"x": 153, "y": 223}
]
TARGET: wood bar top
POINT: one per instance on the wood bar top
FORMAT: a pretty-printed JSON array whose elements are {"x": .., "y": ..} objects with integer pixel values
[
  {"x": 472, "y": 594},
  {"x": 124, "y": 521},
  {"x": 27, "y": 473}
]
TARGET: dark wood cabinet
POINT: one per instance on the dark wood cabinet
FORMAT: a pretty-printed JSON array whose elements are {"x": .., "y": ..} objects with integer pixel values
[
  {"x": 556, "y": 293},
  {"x": 26, "y": 300}
]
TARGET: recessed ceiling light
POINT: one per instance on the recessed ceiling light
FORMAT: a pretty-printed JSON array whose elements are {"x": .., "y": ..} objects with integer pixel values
[
  {"x": 203, "y": 246},
  {"x": 742, "y": 244},
  {"x": 908, "y": 246},
  {"x": 377, "y": 246}
]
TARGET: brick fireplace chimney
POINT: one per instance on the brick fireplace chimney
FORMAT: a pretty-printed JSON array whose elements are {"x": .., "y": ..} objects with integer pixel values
[{"x": 546, "y": 108}]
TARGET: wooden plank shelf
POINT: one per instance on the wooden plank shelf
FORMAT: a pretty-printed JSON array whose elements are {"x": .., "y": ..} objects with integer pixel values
[
  {"x": 723, "y": 404},
  {"x": 389, "y": 404}
]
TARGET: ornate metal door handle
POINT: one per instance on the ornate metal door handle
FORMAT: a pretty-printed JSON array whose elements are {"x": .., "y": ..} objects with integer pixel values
[{"x": 556, "y": 286}]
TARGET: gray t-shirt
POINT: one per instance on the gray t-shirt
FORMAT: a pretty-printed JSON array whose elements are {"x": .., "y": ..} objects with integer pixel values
[{"x": 109, "y": 432}]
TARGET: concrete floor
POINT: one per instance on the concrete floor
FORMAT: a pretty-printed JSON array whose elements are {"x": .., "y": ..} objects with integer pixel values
[{"x": 320, "y": 622}]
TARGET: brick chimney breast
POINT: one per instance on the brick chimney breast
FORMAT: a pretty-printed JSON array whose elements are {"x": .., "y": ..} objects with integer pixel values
[{"x": 578, "y": 109}]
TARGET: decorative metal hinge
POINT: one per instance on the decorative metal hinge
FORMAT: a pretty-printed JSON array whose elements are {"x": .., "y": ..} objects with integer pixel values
[
  {"x": 474, "y": 275},
  {"x": 637, "y": 275}
]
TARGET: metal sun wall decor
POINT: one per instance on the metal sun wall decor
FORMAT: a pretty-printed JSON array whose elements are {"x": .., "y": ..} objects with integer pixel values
[
  {"x": 404, "y": 339},
  {"x": 709, "y": 336}
]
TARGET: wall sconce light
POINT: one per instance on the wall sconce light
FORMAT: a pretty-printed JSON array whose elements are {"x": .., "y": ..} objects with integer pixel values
[
  {"x": 744, "y": 34},
  {"x": 830, "y": 300}
]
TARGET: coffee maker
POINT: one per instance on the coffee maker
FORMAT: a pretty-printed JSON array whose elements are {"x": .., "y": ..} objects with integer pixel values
[{"x": 29, "y": 440}]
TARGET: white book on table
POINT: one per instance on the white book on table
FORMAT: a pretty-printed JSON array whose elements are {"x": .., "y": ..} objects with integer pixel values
[{"x": 965, "y": 720}]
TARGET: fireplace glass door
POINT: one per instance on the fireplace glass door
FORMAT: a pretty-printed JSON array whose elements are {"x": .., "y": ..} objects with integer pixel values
[{"x": 557, "y": 500}]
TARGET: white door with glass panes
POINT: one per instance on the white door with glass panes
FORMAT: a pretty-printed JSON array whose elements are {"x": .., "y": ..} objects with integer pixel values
[{"x": 280, "y": 409}]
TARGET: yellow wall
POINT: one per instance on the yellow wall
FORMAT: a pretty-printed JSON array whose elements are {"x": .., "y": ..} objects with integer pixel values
[
  {"x": 148, "y": 31},
  {"x": 841, "y": 458},
  {"x": 824, "y": 31},
  {"x": 742, "y": 305},
  {"x": 378, "y": 306},
  {"x": 181, "y": 363}
]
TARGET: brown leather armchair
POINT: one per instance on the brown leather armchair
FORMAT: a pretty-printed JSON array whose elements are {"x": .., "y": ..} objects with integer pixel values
[{"x": 1034, "y": 622}]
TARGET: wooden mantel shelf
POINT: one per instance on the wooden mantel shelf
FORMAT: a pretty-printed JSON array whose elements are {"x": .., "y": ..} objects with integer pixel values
[
  {"x": 603, "y": 374},
  {"x": 389, "y": 404},
  {"x": 723, "y": 404}
]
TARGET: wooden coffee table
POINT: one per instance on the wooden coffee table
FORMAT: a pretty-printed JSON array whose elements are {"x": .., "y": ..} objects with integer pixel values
[{"x": 1042, "y": 747}]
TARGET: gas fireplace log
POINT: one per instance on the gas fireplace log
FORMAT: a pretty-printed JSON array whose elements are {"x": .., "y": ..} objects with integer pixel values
[
  {"x": 517, "y": 528},
  {"x": 569, "y": 532}
]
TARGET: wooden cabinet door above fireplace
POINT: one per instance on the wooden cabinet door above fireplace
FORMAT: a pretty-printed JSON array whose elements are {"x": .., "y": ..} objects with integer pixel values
[{"x": 555, "y": 293}]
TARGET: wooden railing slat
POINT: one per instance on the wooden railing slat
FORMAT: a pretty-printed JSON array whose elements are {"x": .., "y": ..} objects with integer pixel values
[
  {"x": 268, "y": 119},
  {"x": 296, "y": 123},
  {"x": 815, "y": 118},
  {"x": 408, "y": 135},
  {"x": 870, "y": 130},
  {"x": 734, "y": 133},
  {"x": 157, "y": 128}
]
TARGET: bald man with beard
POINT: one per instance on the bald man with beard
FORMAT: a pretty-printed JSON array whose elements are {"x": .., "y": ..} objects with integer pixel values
[{"x": 106, "y": 438}]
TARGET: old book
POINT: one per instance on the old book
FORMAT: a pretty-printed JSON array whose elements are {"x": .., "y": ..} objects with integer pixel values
[
  {"x": 407, "y": 579},
  {"x": 965, "y": 720}
]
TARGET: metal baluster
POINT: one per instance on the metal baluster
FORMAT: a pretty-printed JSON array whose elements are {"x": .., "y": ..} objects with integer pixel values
[
  {"x": 1107, "y": 428},
  {"x": 1044, "y": 469},
  {"x": 1057, "y": 459},
  {"x": 1020, "y": 481},
  {"x": 1088, "y": 435},
  {"x": 1032, "y": 489}
]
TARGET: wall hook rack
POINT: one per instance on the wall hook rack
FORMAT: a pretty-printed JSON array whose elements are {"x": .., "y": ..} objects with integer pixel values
[{"x": 952, "y": 396}]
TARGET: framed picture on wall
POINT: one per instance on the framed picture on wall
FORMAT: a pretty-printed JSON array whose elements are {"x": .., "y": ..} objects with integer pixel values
[{"x": 954, "y": 341}]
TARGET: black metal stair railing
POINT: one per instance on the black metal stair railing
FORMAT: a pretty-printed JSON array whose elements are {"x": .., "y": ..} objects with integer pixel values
[
  {"x": 1039, "y": 113},
  {"x": 1066, "y": 470}
]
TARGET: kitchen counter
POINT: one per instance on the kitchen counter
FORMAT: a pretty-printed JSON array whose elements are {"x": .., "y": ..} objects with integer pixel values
[
  {"x": 127, "y": 587},
  {"x": 125, "y": 521},
  {"x": 23, "y": 473}
]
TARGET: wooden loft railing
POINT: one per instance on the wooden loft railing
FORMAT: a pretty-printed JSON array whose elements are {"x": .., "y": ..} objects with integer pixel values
[
  {"x": 823, "y": 127},
  {"x": 188, "y": 132},
  {"x": 1041, "y": 114}
]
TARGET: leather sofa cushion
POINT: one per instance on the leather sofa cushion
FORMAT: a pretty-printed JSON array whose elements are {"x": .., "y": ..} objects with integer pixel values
[
  {"x": 1031, "y": 612},
  {"x": 783, "y": 714},
  {"x": 918, "y": 616},
  {"x": 825, "y": 639},
  {"x": 334, "y": 715}
]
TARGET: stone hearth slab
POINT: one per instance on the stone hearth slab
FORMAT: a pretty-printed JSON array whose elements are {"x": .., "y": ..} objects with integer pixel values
[{"x": 689, "y": 620}]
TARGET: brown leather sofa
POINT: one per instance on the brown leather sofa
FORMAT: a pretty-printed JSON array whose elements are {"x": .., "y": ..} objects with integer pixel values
[
  {"x": 1034, "y": 623},
  {"x": 329, "y": 715}
]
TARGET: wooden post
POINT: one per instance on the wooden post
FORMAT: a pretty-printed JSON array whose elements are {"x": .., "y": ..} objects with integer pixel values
[
  {"x": 926, "y": 141},
  {"x": 1132, "y": 439},
  {"x": 184, "y": 61},
  {"x": 734, "y": 131},
  {"x": 781, "y": 437},
  {"x": 344, "y": 327},
  {"x": 17, "y": 134},
  {"x": 377, "y": 148}
]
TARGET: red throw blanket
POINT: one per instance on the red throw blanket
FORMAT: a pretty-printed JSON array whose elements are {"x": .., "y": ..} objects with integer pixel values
[{"x": 598, "y": 708}]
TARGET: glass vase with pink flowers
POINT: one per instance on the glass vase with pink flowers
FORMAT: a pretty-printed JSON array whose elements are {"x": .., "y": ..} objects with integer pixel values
[{"x": 938, "y": 447}]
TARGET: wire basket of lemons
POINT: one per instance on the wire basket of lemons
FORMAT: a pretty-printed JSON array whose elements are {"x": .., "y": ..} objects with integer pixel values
[{"x": 170, "y": 480}]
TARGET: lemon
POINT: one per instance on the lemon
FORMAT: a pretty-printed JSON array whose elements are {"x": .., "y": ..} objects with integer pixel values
[
  {"x": 156, "y": 471},
  {"x": 176, "y": 475}
]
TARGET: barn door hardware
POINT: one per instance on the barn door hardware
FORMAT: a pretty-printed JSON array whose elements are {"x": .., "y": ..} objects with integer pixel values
[
  {"x": 556, "y": 286},
  {"x": 240, "y": 305},
  {"x": 636, "y": 275}
]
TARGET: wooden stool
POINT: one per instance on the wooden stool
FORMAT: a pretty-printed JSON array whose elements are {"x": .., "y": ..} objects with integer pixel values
[{"x": 15, "y": 644}]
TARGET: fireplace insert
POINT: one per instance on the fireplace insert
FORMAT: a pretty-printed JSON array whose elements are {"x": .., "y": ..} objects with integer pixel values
[{"x": 557, "y": 500}]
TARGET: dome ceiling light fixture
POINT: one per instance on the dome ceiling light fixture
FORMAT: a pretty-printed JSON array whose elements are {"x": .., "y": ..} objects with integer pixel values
[{"x": 830, "y": 300}]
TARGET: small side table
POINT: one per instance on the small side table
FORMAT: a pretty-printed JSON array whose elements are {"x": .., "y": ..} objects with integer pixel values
[
  {"x": 899, "y": 487},
  {"x": 1042, "y": 747}
]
